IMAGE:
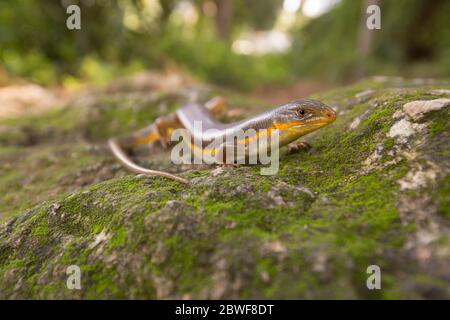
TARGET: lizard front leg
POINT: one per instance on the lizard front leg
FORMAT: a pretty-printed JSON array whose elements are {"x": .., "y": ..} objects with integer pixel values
[{"x": 297, "y": 147}]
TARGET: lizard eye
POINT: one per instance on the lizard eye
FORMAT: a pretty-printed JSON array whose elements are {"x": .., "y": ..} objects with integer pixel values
[{"x": 301, "y": 113}]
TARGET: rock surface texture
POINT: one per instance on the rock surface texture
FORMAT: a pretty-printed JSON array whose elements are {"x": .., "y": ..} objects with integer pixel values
[{"x": 374, "y": 189}]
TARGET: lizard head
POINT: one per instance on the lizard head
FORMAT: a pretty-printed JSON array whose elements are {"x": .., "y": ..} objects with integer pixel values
[{"x": 301, "y": 117}]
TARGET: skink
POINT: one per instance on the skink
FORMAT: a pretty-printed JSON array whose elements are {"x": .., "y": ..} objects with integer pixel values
[{"x": 292, "y": 120}]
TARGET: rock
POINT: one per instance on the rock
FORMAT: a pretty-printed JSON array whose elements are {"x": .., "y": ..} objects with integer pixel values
[
  {"x": 376, "y": 193},
  {"x": 99, "y": 238},
  {"x": 218, "y": 171},
  {"x": 416, "y": 109},
  {"x": 355, "y": 123},
  {"x": 364, "y": 95},
  {"x": 402, "y": 128},
  {"x": 275, "y": 246},
  {"x": 440, "y": 92},
  {"x": 18, "y": 100},
  {"x": 418, "y": 178}
]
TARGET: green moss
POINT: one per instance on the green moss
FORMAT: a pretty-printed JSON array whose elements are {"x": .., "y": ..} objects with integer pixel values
[
  {"x": 119, "y": 238},
  {"x": 41, "y": 229},
  {"x": 236, "y": 234},
  {"x": 37, "y": 173},
  {"x": 442, "y": 196},
  {"x": 438, "y": 122},
  {"x": 115, "y": 116},
  {"x": 389, "y": 143}
]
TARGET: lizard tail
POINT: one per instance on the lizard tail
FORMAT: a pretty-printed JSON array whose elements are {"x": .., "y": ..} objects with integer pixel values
[{"x": 127, "y": 162}]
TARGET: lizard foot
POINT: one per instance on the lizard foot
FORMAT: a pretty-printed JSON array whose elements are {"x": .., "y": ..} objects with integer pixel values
[{"x": 297, "y": 147}]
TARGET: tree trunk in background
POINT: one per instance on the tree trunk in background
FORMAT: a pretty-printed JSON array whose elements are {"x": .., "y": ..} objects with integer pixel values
[
  {"x": 365, "y": 36},
  {"x": 223, "y": 18},
  {"x": 166, "y": 10}
]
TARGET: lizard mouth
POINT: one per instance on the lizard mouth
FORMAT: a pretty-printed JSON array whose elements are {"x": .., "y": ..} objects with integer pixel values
[
  {"x": 311, "y": 121},
  {"x": 325, "y": 117},
  {"x": 316, "y": 121}
]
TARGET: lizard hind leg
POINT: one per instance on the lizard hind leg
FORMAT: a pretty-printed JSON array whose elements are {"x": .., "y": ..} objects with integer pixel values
[
  {"x": 121, "y": 155},
  {"x": 164, "y": 126},
  {"x": 217, "y": 106}
]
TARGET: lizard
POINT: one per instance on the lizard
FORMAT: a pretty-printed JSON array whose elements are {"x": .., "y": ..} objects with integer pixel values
[{"x": 291, "y": 120}]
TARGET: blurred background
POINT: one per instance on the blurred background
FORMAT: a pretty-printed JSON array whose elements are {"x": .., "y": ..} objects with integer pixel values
[{"x": 256, "y": 46}]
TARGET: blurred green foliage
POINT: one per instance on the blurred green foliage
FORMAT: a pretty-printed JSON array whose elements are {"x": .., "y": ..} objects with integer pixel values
[
  {"x": 119, "y": 37},
  {"x": 414, "y": 40},
  {"x": 213, "y": 60},
  {"x": 35, "y": 43}
]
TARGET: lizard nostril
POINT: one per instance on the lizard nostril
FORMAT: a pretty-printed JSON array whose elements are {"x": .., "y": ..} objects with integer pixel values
[{"x": 330, "y": 114}]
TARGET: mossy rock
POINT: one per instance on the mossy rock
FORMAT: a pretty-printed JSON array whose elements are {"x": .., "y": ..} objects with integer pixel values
[{"x": 361, "y": 196}]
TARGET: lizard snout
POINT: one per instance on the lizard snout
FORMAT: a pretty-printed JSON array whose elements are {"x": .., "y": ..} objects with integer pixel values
[{"x": 330, "y": 114}]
